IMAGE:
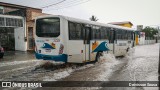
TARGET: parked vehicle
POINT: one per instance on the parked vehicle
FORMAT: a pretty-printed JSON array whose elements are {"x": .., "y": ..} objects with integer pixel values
[{"x": 1, "y": 51}]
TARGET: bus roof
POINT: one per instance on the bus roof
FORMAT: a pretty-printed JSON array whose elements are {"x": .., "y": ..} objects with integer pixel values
[{"x": 87, "y": 22}]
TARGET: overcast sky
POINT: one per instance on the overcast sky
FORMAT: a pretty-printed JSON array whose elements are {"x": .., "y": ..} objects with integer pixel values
[{"x": 139, "y": 12}]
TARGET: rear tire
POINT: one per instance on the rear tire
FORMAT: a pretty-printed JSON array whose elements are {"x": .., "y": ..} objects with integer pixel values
[
  {"x": 127, "y": 49},
  {"x": 98, "y": 55},
  {"x": 1, "y": 55}
]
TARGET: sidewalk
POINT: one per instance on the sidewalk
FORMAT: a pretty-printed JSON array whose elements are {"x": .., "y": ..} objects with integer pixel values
[{"x": 17, "y": 56}]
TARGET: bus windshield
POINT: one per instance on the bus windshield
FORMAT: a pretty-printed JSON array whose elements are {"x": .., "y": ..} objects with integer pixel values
[{"x": 48, "y": 27}]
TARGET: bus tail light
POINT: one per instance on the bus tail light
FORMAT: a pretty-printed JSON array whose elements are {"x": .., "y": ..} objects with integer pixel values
[
  {"x": 2, "y": 49},
  {"x": 35, "y": 48},
  {"x": 61, "y": 49},
  {"x": 81, "y": 51}
]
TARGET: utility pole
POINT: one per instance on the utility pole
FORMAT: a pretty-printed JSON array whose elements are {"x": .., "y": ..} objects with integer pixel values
[{"x": 159, "y": 58}]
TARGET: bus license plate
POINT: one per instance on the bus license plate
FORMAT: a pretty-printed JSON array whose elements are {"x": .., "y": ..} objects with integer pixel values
[{"x": 48, "y": 50}]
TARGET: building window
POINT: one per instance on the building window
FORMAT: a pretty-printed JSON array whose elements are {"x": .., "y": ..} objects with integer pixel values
[
  {"x": 14, "y": 22},
  {"x": 2, "y": 21},
  {"x": 1, "y": 10}
]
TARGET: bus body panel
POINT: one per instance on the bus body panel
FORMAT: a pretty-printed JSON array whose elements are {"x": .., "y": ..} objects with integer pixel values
[
  {"x": 121, "y": 47},
  {"x": 75, "y": 48},
  {"x": 98, "y": 46},
  {"x": 111, "y": 48}
]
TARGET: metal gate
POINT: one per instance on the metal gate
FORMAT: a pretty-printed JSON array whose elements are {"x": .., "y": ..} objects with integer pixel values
[{"x": 7, "y": 39}]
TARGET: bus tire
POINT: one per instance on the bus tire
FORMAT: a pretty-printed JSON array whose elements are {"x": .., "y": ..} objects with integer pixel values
[
  {"x": 127, "y": 49},
  {"x": 98, "y": 55}
]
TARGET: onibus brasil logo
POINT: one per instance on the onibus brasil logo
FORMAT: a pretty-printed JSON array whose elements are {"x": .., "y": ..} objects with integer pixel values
[{"x": 21, "y": 84}]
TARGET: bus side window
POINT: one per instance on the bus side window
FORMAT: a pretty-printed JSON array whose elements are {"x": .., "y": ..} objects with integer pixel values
[
  {"x": 75, "y": 32},
  {"x": 132, "y": 35},
  {"x": 111, "y": 39},
  {"x": 125, "y": 33},
  {"x": 71, "y": 30},
  {"x": 93, "y": 33},
  {"x": 83, "y": 31},
  {"x": 129, "y": 35},
  {"x": 122, "y": 34},
  {"x": 108, "y": 32},
  {"x": 103, "y": 33},
  {"x": 115, "y": 34},
  {"x": 78, "y": 31},
  {"x": 118, "y": 34},
  {"x": 96, "y": 32}
]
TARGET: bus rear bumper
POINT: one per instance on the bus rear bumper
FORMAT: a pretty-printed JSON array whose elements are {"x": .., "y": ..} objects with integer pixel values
[{"x": 61, "y": 57}]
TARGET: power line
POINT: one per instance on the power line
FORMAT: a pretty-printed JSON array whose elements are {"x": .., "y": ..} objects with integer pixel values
[
  {"x": 53, "y": 4},
  {"x": 66, "y": 3},
  {"x": 71, "y": 4}
]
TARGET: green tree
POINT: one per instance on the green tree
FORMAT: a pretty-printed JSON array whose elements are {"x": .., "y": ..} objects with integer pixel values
[
  {"x": 150, "y": 31},
  {"x": 93, "y": 18}
]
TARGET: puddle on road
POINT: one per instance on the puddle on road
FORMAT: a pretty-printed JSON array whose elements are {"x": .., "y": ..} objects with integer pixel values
[{"x": 44, "y": 69}]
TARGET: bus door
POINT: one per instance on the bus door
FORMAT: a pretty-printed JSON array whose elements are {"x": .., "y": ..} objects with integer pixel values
[
  {"x": 87, "y": 38},
  {"x": 111, "y": 41},
  {"x": 133, "y": 35}
]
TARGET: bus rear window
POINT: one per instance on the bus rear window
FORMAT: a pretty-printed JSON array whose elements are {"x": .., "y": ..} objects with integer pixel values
[{"x": 48, "y": 27}]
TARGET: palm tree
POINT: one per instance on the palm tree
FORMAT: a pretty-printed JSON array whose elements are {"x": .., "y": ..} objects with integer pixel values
[{"x": 93, "y": 18}]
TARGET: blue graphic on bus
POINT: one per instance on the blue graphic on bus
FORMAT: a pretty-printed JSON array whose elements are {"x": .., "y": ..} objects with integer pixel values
[
  {"x": 102, "y": 47},
  {"x": 48, "y": 46}
]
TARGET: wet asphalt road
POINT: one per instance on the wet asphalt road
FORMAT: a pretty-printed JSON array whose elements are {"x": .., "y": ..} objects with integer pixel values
[{"x": 140, "y": 64}]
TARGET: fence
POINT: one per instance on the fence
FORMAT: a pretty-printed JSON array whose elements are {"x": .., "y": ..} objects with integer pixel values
[
  {"x": 150, "y": 42},
  {"x": 147, "y": 40}
]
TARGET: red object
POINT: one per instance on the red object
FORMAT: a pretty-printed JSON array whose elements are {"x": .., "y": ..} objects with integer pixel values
[
  {"x": 61, "y": 49},
  {"x": 2, "y": 50},
  {"x": 81, "y": 51}
]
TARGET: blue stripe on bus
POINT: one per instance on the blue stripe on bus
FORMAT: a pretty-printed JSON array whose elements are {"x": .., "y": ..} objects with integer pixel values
[
  {"x": 102, "y": 47},
  {"x": 61, "y": 57}
]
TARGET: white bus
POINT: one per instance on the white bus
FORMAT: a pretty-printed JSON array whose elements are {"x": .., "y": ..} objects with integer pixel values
[{"x": 66, "y": 39}]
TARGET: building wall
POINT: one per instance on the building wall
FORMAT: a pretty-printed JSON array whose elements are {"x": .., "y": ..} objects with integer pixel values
[
  {"x": 22, "y": 35},
  {"x": 8, "y": 9},
  {"x": 30, "y": 23},
  {"x": 19, "y": 32},
  {"x": 126, "y": 25},
  {"x": 29, "y": 12}
]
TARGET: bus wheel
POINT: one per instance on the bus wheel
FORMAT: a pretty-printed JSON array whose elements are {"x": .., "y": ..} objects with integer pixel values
[
  {"x": 127, "y": 49},
  {"x": 98, "y": 55}
]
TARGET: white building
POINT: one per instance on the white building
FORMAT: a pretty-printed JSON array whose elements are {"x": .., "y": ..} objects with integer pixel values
[{"x": 17, "y": 26}]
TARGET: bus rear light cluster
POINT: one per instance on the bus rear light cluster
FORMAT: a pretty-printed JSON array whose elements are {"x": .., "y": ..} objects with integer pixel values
[
  {"x": 2, "y": 49},
  {"x": 81, "y": 51},
  {"x": 61, "y": 49},
  {"x": 35, "y": 48}
]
